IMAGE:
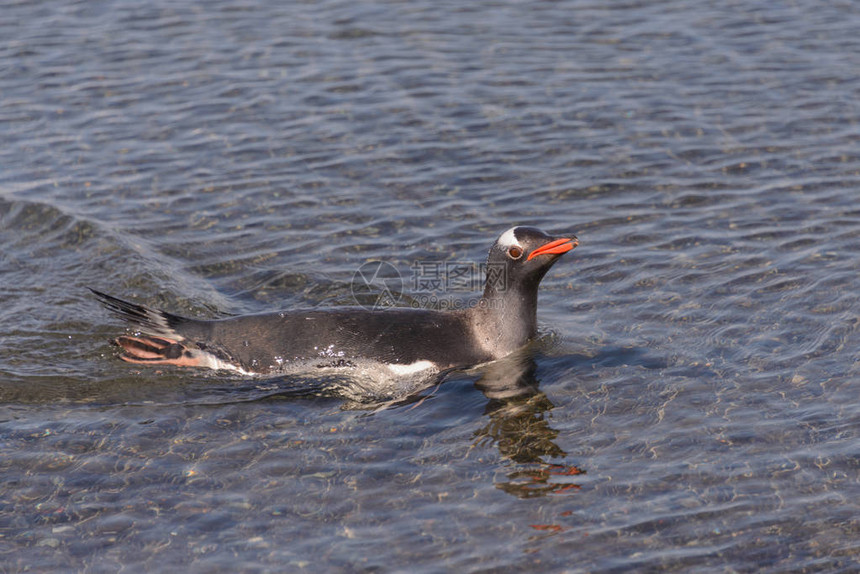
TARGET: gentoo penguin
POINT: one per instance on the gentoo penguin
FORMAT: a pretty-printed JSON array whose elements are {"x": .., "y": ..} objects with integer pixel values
[{"x": 405, "y": 341}]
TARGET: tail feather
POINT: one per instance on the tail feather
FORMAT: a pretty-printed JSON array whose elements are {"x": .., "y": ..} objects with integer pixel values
[
  {"x": 158, "y": 341},
  {"x": 159, "y": 338},
  {"x": 150, "y": 321}
]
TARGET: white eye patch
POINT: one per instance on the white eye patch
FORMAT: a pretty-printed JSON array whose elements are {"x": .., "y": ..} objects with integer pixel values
[{"x": 509, "y": 239}]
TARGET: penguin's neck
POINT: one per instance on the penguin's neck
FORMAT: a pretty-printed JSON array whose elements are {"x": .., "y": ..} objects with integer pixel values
[{"x": 505, "y": 320}]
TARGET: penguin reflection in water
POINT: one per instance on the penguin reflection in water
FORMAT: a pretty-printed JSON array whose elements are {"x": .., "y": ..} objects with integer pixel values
[{"x": 388, "y": 344}]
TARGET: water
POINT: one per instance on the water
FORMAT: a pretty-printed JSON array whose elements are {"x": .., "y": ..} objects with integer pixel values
[{"x": 691, "y": 405}]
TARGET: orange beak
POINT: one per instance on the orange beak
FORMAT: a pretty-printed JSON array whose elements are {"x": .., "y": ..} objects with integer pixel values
[{"x": 556, "y": 247}]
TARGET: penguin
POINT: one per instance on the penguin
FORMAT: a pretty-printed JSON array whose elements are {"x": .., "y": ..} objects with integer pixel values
[{"x": 399, "y": 341}]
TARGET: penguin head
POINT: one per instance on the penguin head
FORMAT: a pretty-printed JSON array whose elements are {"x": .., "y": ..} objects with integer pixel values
[{"x": 520, "y": 258}]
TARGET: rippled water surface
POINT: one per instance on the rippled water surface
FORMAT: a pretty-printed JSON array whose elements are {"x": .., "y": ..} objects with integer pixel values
[{"x": 692, "y": 404}]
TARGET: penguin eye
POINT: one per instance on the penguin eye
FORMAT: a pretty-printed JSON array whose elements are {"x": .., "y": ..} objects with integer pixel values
[{"x": 515, "y": 252}]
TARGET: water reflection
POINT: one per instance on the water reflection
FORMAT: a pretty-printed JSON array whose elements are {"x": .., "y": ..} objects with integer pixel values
[{"x": 519, "y": 427}]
